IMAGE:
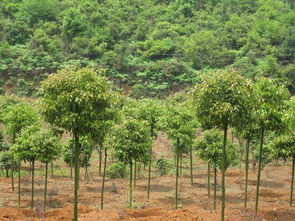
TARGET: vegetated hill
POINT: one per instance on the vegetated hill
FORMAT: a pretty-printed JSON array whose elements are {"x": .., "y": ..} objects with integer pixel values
[{"x": 152, "y": 46}]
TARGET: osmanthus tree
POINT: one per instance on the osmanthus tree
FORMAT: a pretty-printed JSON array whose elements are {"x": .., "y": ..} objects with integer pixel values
[
  {"x": 268, "y": 113},
  {"x": 26, "y": 148},
  {"x": 102, "y": 129},
  {"x": 17, "y": 116},
  {"x": 86, "y": 149},
  {"x": 130, "y": 141},
  {"x": 249, "y": 131},
  {"x": 284, "y": 148},
  {"x": 286, "y": 143},
  {"x": 74, "y": 99},
  {"x": 179, "y": 123},
  {"x": 209, "y": 146},
  {"x": 47, "y": 147},
  {"x": 222, "y": 101},
  {"x": 150, "y": 110}
]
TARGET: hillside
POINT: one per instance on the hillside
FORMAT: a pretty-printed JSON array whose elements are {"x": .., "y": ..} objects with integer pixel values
[{"x": 152, "y": 47}]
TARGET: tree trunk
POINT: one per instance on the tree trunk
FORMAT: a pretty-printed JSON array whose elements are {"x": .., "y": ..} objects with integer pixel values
[
  {"x": 76, "y": 185},
  {"x": 135, "y": 174},
  {"x": 215, "y": 184},
  {"x": 259, "y": 171},
  {"x": 45, "y": 185},
  {"x": 177, "y": 173},
  {"x": 52, "y": 170},
  {"x": 12, "y": 165},
  {"x": 246, "y": 171},
  {"x": 100, "y": 160},
  {"x": 223, "y": 173},
  {"x": 150, "y": 166},
  {"x": 292, "y": 182},
  {"x": 103, "y": 177},
  {"x": 32, "y": 191},
  {"x": 209, "y": 183},
  {"x": 19, "y": 176},
  {"x": 191, "y": 164},
  {"x": 72, "y": 159},
  {"x": 130, "y": 185}
]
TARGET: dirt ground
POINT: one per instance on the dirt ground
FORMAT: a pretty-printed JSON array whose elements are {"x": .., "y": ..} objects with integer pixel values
[{"x": 194, "y": 200}]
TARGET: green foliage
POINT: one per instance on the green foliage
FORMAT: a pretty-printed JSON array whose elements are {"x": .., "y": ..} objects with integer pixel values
[
  {"x": 271, "y": 97},
  {"x": 86, "y": 148},
  {"x": 163, "y": 166},
  {"x": 283, "y": 147},
  {"x": 151, "y": 47},
  {"x": 74, "y": 99},
  {"x": 222, "y": 100},
  {"x": 7, "y": 162},
  {"x": 19, "y": 116},
  {"x": 116, "y": 170},
  {"x": 209, "y": 146},
  {"x": 130, "y": 140}
]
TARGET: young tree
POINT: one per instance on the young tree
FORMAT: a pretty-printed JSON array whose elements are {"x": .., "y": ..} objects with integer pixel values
[
  {"x": 86, "y": 149},
  {"x": 26, "y": 148},
  {"x": 74, "y": 99},
  {"x": 48, "y": 147},
  {"x": 209, "y": 147},
  {"x": 130, "y": 141},
  {"x": 18, "y": 115},
  {"x": 283, "y": 148},
  {"x": 179, "y": 123},
  {"x": 249, "y": 130},
  {"x": 150, "y": 111},
  {"x": 222, "y": 100},
  {"x": 269, "y": 110}
]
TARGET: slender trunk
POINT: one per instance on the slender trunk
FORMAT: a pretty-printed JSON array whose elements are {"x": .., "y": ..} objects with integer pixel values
[
  {"x": 138, "y": 170},
  {"x": 246, "y": 171},
  {"x": 72, "y": 159},
  {"x": 259, "y": 171},
  {"x": 45, "y": 185},
  {"x": 191, "y": 164},
  {"x": 215, "y": 184},
  {"x": 12, "y": 178},
  {"x": 32, "y": 191},
  {"x": 150, "y": 166},
  {"x": 12, "y": 165},
  {"x": 177, "y": 173},
  {"x": 103, "y": 177},
  {"x": 85, "y": 176},
  {"x": 100, "y": 160},
  {"x": 130, "y": 185},
  {"x": 19, "y": 176},
  {"x": 180, "y": 168},
  {"x": 223, "y": 173},
  {"x": 292, "y": 182},
  {"x": 76, "y": 185},
  {"x": 135, "y": 174},
  {"x": 209, "y": 183},
  {"x": 52, "y": 170}
]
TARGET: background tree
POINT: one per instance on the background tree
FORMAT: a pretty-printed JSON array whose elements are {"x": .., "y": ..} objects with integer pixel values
[
  {"x": 130, "y": 141},
  {"x": 26, "y": 148},
  {"x": 150, "y": 111},
  {"x": 18, "y": 116},
  {"x": 269, "y": 109},
  {"x": 222, "y": 101},
  {"x": 209, "y": 146},
  {"x": 48, "y": 149},
  {"x": 179, "y": 123},
  {"x": 73, "y": 99}
]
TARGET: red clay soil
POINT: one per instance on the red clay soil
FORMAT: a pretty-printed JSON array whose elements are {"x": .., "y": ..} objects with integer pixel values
[{"x": 150, "y": 214}]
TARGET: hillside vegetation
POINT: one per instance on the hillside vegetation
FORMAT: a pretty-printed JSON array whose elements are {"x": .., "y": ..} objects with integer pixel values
[{"x": 148, "y": 47}]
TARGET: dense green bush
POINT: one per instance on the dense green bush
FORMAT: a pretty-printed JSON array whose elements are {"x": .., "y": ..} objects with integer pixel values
[
  {"x": 163, "y": 166},
  {"x": 116, "y": 170}
]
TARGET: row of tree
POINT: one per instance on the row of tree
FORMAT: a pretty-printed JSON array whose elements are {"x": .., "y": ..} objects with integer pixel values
[{"x": 82, "y": 102}]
